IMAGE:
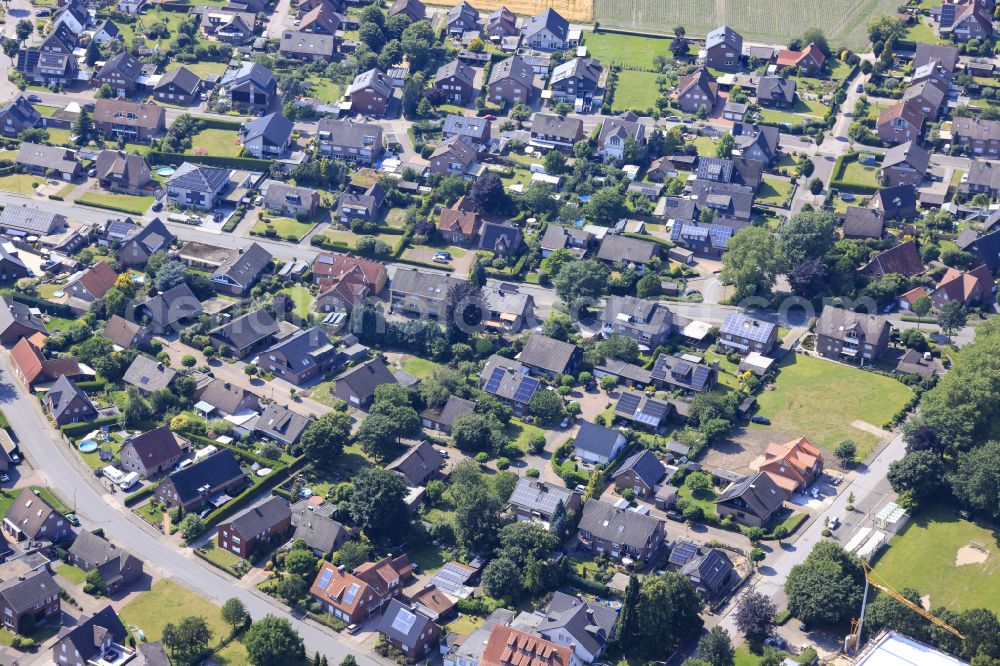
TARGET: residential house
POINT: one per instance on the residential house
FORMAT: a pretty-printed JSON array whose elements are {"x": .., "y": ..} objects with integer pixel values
[
  {"x": 548, "y": 31},
  {"x": 197, "y": 186},
  {"x": 512, "y": 81},
  {"x": 121, "y": 72},
  {"x": 281, "y": 425},
  {"x": 793, "y": 466},
  {"x": 597, "y": 444},
  {"x": 458, "y": 227},
  {"x": 548, "y": 357},
  {"x": 455, "y": 82},
  {"x": 578, "y": 78},
  {"x": 641, "y": 472},
  {"x": 537, "y": 500},
  {"x": 756, "y": 142},
  {"x": 902, "y": 259},
  {"x": 354, "y": 206},
  {"x": 475, "y": 131},
  {"x": 571, "y": 621},
  {"x": 617, "y": 132},
  {"x": 92, "y": 283},
  {"x": 648, "y": 322},
  {"x": 31, "y": 518},
  {"x": 228, "y": 25},
  {"x": 984, "y": 178},
  {"x": 316, "y": 527},
  {"x": 211, "y": 480},
  {"x": 685, "y": 372},
  {"x": 433, "y": 602},
  {"x": 905, "y": 164},
  {"x": 18, "y": 116},
  {"x": 418, "y": 465},
  {"x": 74, "y": 16},
  {"x": 978, "y": 137},
  {"x": 508, "y": 380},
  {"x": 454, "y": 156},
  {"x": 179, "y": 86},
  {"x": 139, "y": 245},
  {"x": 842, "y": 333},
  {"x": 420, "y": 293},
  {"x": 124, "y": 333},
  {"x": 100, "y": 638},
  {"x": 12, "y": 268},
  {"x": 246, "y": 531},
  {"x": 151, "y": 453},
  {"x": 354, "y": 142},
  {"x": 508, "y": 646},
  {"x": 928, "y": 96},
  {"x": 170, "y": 309},
  {"x": 549, "y": 131},
  {"x": 241, "y": 270},
  {"x": 307, "y": 45},
  {"x": 641, "y": 408},
  {"x": 117, "y": 566},
  {"x": 914, "y": 363},
  {"x": 246, "y": 334},
  {"x": 899, "y": 123},
  {"x": 862, "y": 223},
  {"x": 558, "y": 237},
  {"x": 47, "y": 160},
  {"x": 774, "y": 91},
  {"x": 251, "y": 87},
  {"x": 122, "y": 173},
  {"x": 944, "y": 54},
  {"x": 29, "y": 600},
  {"x": 66, "y": 403},
  {"x": 301, "y": 357},
  {"x": 965, "y": 21},
  {"x": 409, "y": 629},
  {"x": 148, "y": 374},
  {"x": 370, "y": 93},
  {"x": 619, "y": 533},
  {"x": 507, "y": 310},
  {"x": 697, "y": 90},
  {"x": 728, "y": 202},
  {"x": 896, "y": 203},
  {"x": 723, "y": 48},
  {"x": 709, "y": 573},
  {"x": 221, "y": 398},
  {"x": 267, "y": 136},
  {"x": 462, "y": 18},
  {"x": 500, "y": 238},
  {"x": 346, "y": 280},
  {"x": 744, "y": 334},
  {"x": 809, "y": 60},
  {"x": 354, "y": 597},
  {"x": 753, "y": 500},
  {"x": 441, "y": 418},
  {"x": 617, "y": 250},
  {"x": 501, "y": 24},
  {"x": 17, "y": 321},
  {"x": 290, "y": 200},
  {"x": 31, "y": 366},
  {"x": 135, "y": 121},
  {"x": 321, "y": 20},
  {"x": 357, "y": 386},
  {"x": 969, "y": 288},
  {"x": 51, "y": 62},
  {"x": 412, "y": 9}
]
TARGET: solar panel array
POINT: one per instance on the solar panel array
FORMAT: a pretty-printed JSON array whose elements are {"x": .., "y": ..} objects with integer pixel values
[
  {"x": 744, "y": 326},
  {"x": 655, "y": 409},
  {"x": 494, "y": 382},
  {"x": 720, "y": 234},
  {"x": 683, "y": 552},
  {"x": 450, "y": 578},
  {"x": 526, "y": 389},
  {"x": 403, "y": 621},
  {"x": 628, "y": 403},
  {"x": 352, "y": 592},
  {"x": 324, "y": 580},
  {"x": 660, "y": 367}
]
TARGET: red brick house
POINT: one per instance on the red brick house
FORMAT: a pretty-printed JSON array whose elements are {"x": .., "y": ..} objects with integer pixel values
[
  {"x": 459, "y": 227},
  {"x": 242, "y": 533},
  {"x": 899, "y": 123},
  {"x": 356, "y": 596},
  {"x": 810, "y": 59},
  {"x": 794, "y": 465},
  {"x": 967, "y": 287}
]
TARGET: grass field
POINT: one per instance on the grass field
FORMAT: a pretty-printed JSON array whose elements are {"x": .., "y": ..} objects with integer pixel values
[
  {"x": 217, "y": 142},
  {"x": 520, "y": 433},
  {"x": 629, "y": 51},
  {"x": 773, "y": 191},
  {"x": 860, "y": 174},
  {"x": 635, "y": 90},
  {"x": 123, "y": 202},
  {"x": 420, "y": 367},
  {"x": 72, "y": 573},
  {"x": 20, "y": 183},
  {"x": 923, "y": 556},
  {"x": 169, "y": 602},
  {"x": 769, "y": 21},
  {"x": 801, "y": 403},
  {"x": 59, "y": 137},
  {"x": 285, "y": 227},
  {"x": 803, "y": 110},
  {"x": 301, "y": 298},
  {"x": 572, "y": 10},
  {"x": 326, "y": 90},
  {"x": 202, "y": 69}
]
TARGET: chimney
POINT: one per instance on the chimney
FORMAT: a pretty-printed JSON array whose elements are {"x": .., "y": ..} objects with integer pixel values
[{"x": 341, "y": 568}]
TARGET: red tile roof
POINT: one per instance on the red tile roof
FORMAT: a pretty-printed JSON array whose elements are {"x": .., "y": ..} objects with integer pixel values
[
  {"x": 511, "y": 647},
  {"x": 34, "y": 367},
  {"x": 333, "y": 266},
  {"x": 965, "y": 286},
  {"x": 98, "y": 279},
  {"x": 456, "y": 220}
]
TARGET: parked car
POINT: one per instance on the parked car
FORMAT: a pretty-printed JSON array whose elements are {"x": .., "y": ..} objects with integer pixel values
[
  {"x": 675, "y": 516},
  {"x": 762, "y": 420},
  {"x": 4, "y": 478},
  {"x": 859, "y": 88},
  {"x": 158, "y": 205},
  {"x": 353, "y": 628},
  {"x": 72, "y": 519},
  {"x": 442, "y": 257},
  {"x": 34, "y": 98}
]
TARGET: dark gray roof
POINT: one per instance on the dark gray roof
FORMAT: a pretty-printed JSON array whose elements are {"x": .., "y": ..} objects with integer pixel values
[
  {"x": 404, "y": 624},
  {"x": 638, "y": 313},
  {"x": 125, "y": 64},
  {"x": 759, "y": 492},
  {"x": 318, "y": 530},
  {"x": 764, "y": 136},
  {"x": 724, "y": 34},
  {"x": 103, "y": 555},
  {"x": 471, "y": 128},
  {"x": 373, "y": 78},
  {"x": 155, "y": 447},
  {"x": 29, "y": 511},
  {"x": 596, "y": 439},
  {"x": 274, "y": 128},
  {"x": 535, "y": 495},
  {"x": 711, "y": 570},
  {"x": 212, "y": 471},
  {"x": 31, "y": 220},
  {"x": 153, "y": 236},
  {"x": 863, "y": 222},
  {"x": 465, "y": 14},
  {"x": 412, "y": 8},
  {"x": 149, "y": 374},
  {"x": 48, "y": 157},
  {"x": 567, "y": 129},
  {"x": 199, "y": 178},
  {"x": 899, "y": 199},
  {"x": 726, "y": 200},
  {"x": 458, "y": 69},
  {"x": 682, "y": 373},
  {"x": 311, "y": 43},
  {"x": 28, "y": 592},
  {"x": 419, "y": 283},
  {"x": 109, "y": 28},
  {"x": 616, "y": 248},
  {"x": 452, "y": 409},
  {"x": 173, "y": 305},
  {"x": 349, "y": 134},
  {"x": 513, "y": 67},
  {"x": 589, "y": 623},
  {"x": 61, "y": 394},
  {"x": 243, "y": 268},
  {"x": 248, "y": 329},
  {"x": 302, "y": 347},
  {"x": 586, "y": 69},
  {"x": 507, "y": 379},
  {"x": 500, "y": 237},
  {"x": 12, "y": 312},
  {"x": 131, "y": 169},
  {"x": 835, "y": 322},
  {"x": 910, "y": 153},
  {"x": 83, "y": 635},
  {"x": 21, "y": 111},
  {"x": 625, "y": 370},
  {"x": 153, "y": 653},
  {"x": 224, "y": 396},
  {"x": 646, "y": 466},
  {"x": 182, "y": 77},
  {"x": 253, "y": 72},
  {"x": 547, "y": 18},
  {"x": 606, "y": 522},
  {"x": 547, "y": 353},
  {"x": 746, "y": 326},
  {"x": 365, "y": 378},
  {"x": 281, "y": 424},
  {"x": 264, "y": 516},
  {"x": 418, "y": 464},
  {"x": 776, "y": 89},
  {"x": 944, "y": 54}
]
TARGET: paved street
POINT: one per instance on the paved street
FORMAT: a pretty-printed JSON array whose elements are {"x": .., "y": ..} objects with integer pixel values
[{"x": 78, "y": 487}]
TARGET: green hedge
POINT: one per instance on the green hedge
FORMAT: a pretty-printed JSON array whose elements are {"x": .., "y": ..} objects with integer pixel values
[
  {"x": 95, "y": 386},
  {"x": 218, "y": 123},
  {"x": 130, "y": 210},
  {"x": 157, "y": 158},
  {"x": 74, "y": 430},
  {"x": 48, "y": 307},
  {"x": 587, "y": 585},
  {"x": 652, "y": 239},
  {"x": 140, "y": 495}
]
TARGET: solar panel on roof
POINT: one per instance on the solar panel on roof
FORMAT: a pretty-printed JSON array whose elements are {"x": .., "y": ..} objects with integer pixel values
[
  {"x": 643, "y": 417},
  {"x": 655, "y": 409},
  {"x": 352, "y": 592},
  {"x": 324, "y": 580},
  {"x": 525, "y": 389},
  {"x": 403, "y": 621},
  {"x": 628, "y": 403},
  {"x": 683, "y": 552},
  {"x": 658, "y": 371},
  {"x": 494, "y": 383}
]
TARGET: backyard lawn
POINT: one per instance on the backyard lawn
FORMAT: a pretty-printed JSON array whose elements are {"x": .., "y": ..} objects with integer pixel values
[
  {"x": 20, "y": 183},
  {"x": 125, "y": 203},
  {"x": 774, "y": 191},
  {"x": 420, "y": 367},
  {"x": 856, "y": 173},
  {"x": 932, "y": 555},
  {"x": 706, "y": 500},
  {"x": 801, "y": 404},
  {"x": 705, "y": 145},
  {"x": 223, "y": 558},
  {"x": 287, "y": 228},
  {"x": 520, "y": 433},
  {"x": 216, "y": 142},
  {"x": 803, "y": 109},
  {"x": 168, "y": 602},
  {"x": 73, "y": 574},
  {"x": 202, "y": 69},
  {"x": 635, "y": 90},
  {"x": 629, "y": 51},
  {"x": 325, "y": 90},
  {"x": 302, "y": 300},
  {"x": 59, "y": 137}
]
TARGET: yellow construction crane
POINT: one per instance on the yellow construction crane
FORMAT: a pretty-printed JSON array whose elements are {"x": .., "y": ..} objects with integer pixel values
[{"x": 874, "y": 580}]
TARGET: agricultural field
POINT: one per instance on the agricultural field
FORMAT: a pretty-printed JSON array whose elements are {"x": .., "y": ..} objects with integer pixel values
[
  {"x": 770, "y": 21},
  {"x": 572, "y": 10}
]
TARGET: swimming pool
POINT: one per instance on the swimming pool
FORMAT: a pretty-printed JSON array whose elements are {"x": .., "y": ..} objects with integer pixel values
[
  {"x": 88, "y": 446},
  {"x": 165, "y": 171}
]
